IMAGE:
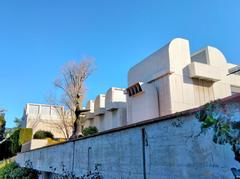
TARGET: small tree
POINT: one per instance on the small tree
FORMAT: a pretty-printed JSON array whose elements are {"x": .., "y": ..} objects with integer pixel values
[{"x": 89, "y": 130}]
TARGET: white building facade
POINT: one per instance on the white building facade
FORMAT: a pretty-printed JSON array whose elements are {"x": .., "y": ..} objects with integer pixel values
[
  {"x": 107, "y": 111},
  {"x": 168, "y": 81},
  {"x": 44, "y": 117}
]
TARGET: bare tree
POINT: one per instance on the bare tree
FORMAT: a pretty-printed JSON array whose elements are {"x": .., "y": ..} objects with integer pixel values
[
  {"x": 71, "y": 82},
  {"x": 64, "y": 122}
]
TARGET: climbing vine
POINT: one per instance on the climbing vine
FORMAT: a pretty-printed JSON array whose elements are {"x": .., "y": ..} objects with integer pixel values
[{"x": 226, "y": 129}]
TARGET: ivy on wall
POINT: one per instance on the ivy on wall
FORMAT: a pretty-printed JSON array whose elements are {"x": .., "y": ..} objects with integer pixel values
[{"x": 226, "y": 129}]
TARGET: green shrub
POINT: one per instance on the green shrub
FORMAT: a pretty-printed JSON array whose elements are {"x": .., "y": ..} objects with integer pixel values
[
  {"x": 12, "y": 170},
  {"x": 3, "y": 163},
  {"x": 25, "y": 135},
  {"x": 89, "y": 130},
  {"x": 43, "y": 135},
  {"x": 4, "y": 171}
]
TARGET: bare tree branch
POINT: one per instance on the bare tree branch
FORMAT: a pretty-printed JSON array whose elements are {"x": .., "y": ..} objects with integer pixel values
[{"x": 71, "y": 83}]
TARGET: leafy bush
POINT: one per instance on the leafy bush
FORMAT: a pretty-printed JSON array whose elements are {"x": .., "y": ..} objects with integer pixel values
[
  {"x": 25, "y": 135},
  {"x": 5, "y": 162},
  {"x": 89, "y": 131},
  {"x": 7, "y": 169},
  {"x": 12, "y": 170},
  {"x": 43, "y": 135}
]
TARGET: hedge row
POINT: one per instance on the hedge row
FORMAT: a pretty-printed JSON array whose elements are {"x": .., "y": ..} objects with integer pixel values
[{"x": 12, "y": 145}]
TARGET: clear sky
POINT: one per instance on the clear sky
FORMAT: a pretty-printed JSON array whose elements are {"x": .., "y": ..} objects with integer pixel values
[{"x": 38, "y": 37}]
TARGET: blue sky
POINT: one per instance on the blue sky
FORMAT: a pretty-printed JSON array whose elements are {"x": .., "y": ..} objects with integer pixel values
[{"x": 38, "y": 37}]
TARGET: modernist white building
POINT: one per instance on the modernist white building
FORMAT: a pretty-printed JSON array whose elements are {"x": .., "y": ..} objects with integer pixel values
[
  {"x": 168, "y": 81},
  {"x": 44, "y": 117},
  {"x": 107, "y": 111}
]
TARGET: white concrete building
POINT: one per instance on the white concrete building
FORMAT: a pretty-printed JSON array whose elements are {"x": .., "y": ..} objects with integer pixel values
[
  {"x": 178, "y": 80},
  {"x": 107, "y": 111},
  {"x": 43, "y": 117},
  {"x": 168, "y": 81}
]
